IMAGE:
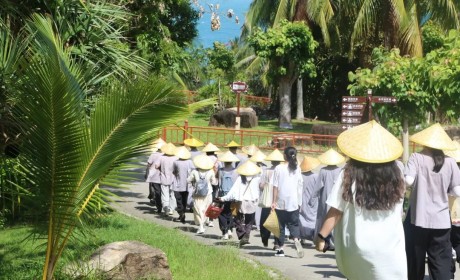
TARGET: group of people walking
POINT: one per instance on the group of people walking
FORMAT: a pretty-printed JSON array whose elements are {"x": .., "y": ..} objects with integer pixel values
[{"x": 353, "y": 206}]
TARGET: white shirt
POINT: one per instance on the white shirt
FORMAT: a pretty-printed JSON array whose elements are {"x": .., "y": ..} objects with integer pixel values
[
  {"x": 241, "y": 191},
  {"x": 369, "y": 244},
  {"x": 290, "y": 186}
]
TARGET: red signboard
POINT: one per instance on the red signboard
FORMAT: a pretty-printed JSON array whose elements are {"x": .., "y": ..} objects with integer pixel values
[
  {"x": 354, "y": 99},
  {"x": 353, "y": 106},
  {"x": 351, "y": 120},
  {"x": 352, "y": 113},
  {"x": 384, "y": 99}
]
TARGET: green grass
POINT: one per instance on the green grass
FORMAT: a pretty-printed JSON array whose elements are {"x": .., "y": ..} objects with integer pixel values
[{"x": 187, "y": 258}]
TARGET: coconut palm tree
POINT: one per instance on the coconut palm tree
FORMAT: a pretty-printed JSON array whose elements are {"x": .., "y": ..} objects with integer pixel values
[{"x": 68, "y": 153}]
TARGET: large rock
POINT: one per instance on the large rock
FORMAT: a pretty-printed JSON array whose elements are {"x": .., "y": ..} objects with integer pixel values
[
  {"x": 227, "y": 118},
  {"x": 126, "y": 260}
]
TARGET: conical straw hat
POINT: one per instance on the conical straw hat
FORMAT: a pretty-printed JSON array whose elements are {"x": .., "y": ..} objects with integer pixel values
[
  {"x": 210, "y": 147},
  {"x": 309, "y": 163},
  {"x": 192, "y": 142},
  {"x": 331, "y": 157},
  {"x": 157, "y": 144},
  {"x": 276, "y": 155},
  {"x": 454, "y": 154},
  {"x": 250, "y": 150},
  {"x": 203, "y": 162},
  {"x": 370, "y": 142},
  {"x": 434, "y": 137},
  {"x": 182, "y": 153},
  {"x": 168, "y": 149},
  {"x": 259, "y": 156},
  {"x": 232, "y": 144},
  {"x": 248, "y": 168},
  {"x": 228, "y": 157}
]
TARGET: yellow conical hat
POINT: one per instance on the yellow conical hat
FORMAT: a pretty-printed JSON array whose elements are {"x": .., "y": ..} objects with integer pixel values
[
  {"x": 168, "y": 149},
  {"x": 210, "y": 147},
  {"x": 250, "y": 150},
  {"x": 248, "y": 168},
  {"x": 182, "y": 153},
  {"x": 228, "y": 157},
  {"x": 331, "y": 157},
  {"x": 454, "y": 154},
  {"x": 203, "y": 162},
  {"x": 276, "y": 155},
  {"x": 232, "y": 144},
  {"x": 370, "y": 142},
  {"x": 259, "y": 156},
  {"x": 309, "y": 163},
  {"x": 192, "y": 142},
  {"x": 434, "y": 137}
]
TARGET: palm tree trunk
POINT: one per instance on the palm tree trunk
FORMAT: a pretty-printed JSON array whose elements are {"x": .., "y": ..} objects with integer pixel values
[
  {"x": 284, "y": 89},
  {"x": 300, "y": 115}
]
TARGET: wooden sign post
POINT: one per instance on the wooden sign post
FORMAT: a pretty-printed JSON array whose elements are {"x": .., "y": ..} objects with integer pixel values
[
  {"x": 238, "y": 88},
  {"x": 353, "y": 108}
]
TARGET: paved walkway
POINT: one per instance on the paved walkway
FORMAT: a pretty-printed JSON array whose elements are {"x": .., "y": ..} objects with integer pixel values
[{"x": 314, "y": 265}]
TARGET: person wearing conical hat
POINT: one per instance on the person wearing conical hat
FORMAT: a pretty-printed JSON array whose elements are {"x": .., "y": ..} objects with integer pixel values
[
  {"x": 202, "y": 195},
  {"x": 233, "y": 147},
  {"x": 326, "y": 179},
  {"x": 266, "y": 197},
  {"x": 454, "y": 208},
  {"x": 365, "y": 207},
  {"x": 166, "y": 163},
  {"x": 210, "y": 151},
  {"x": 309, "y": 208},
  {"x": 287, "y": 199},
  {"x": 258, "y": 157},
  {"x": 193, "y": 144},
  {"x": 250, "y": 150},
  {"x": 181, "y": 170},
  {"x": 246, "y": 190},
  {"x": 152, "y": 174},
  {"x": 227, "y": 176},
  {"x": 431, "y": 176}
]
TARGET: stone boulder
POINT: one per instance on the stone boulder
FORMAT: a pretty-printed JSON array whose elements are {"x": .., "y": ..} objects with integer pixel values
[
  {"x": 227, "y": 118},
  {"x": 125, "y": 260},
  {"x": 327, "y": 129}
]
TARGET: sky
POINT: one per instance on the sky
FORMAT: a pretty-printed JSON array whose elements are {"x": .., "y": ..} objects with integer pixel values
[{"x": 229, "y": 29}]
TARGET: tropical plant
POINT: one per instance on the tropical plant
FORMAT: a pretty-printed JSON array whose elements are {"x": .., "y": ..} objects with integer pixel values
[
  {"x": 290, "y": 49},
  {"x": 68, "y": 154}
]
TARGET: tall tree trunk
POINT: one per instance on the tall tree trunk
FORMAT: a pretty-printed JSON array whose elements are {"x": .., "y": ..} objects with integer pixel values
[
  {"x": 285, "y": 86},
  {"x": 300, "y": 115}
]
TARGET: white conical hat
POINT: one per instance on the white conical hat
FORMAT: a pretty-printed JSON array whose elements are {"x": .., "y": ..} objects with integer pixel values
[
  {"x": 250, "y": 150},
  {"x": 192, "y": 142},
  {"x": 157, "y": 144},
  {"x": 276, "y": 155},
  {"x": 168, "y": 149},
  {"x": 454, "y": 154},
  {"x": 434, "y": 137},
  {"x": 248, "y": 168},
  {"x": 331, "y": 157},
  {"x": 203, "y": 162},
  {"x": 210, "y": 147},
  {"x": 182, "y": 153},
  {"x": 258, "y": 156},
  {"x": 228, "y": 157},
  {"x": 309, "y": 163},
  {"x": 370, "y": 142}
]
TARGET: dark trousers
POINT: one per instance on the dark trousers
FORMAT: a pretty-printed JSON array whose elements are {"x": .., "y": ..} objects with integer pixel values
[
  {"x": 265, "y": 233},
  {"x": 243, "y": 225},
  {"x": 435, "y": 243},
  {"x": 455, "y": 240},
  {"x": 226, "y": 218},
  {"x": 151, "y": 192},
  {"x": 181, "y": 199},
  {"x": 157, "y": 196},
  {"x": 291, "y": 220}
]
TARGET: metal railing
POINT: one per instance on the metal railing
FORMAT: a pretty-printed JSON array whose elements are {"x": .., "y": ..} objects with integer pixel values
[{"x": 304, "y": 143}]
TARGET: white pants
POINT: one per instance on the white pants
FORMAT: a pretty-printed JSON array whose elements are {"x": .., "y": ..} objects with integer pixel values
[
  {"x": 200, "y": 205},
  {"x": 168, "y": 200}
]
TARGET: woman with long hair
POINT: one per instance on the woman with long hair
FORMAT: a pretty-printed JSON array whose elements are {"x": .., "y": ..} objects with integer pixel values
[
  {"x": 287, "y": 199},
  {"x": 432, "y": 176},
  {"x": 366, "y": 207}
]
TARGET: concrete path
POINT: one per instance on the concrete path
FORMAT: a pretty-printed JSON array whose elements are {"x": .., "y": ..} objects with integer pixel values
[{"x": 133, "y": 201}]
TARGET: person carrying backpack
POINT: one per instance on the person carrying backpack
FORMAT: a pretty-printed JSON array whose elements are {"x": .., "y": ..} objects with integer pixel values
[
  {"x": 227, "y": 176},
  {"x": 202, "y": 196}
]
